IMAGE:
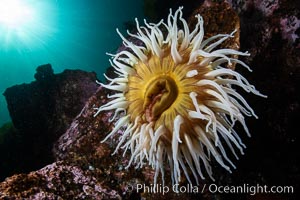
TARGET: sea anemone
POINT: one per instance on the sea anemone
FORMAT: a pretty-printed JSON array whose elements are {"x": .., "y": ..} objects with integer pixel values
[{"x": 175, "y": 99}]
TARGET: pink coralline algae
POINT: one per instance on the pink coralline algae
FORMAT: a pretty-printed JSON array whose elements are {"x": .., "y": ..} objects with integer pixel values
[
  {"x": 289, "y": 26},
  {"x": 266, "y": 7}
]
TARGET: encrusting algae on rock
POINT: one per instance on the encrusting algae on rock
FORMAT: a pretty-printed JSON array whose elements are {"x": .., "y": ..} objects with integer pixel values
[{"x": 175, "y": 99}]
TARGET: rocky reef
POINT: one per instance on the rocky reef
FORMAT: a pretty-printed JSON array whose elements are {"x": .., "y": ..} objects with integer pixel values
[{"x": 41, "y": 112}]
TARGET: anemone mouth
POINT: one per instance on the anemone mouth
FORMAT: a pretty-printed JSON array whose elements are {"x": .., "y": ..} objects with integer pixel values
[{"x": 161, "y": 92}]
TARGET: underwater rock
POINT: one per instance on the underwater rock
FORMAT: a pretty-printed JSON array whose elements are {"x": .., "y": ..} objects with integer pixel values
[
  {"x": 42, "y": 111},
  {"x": 44, "y": 73},
  {"x": 56, "y": 181},
  {"x": 270, "y": 31}
]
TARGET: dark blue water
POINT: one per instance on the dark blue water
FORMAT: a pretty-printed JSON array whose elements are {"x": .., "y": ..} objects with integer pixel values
[{"x": 73, "y": 34}]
